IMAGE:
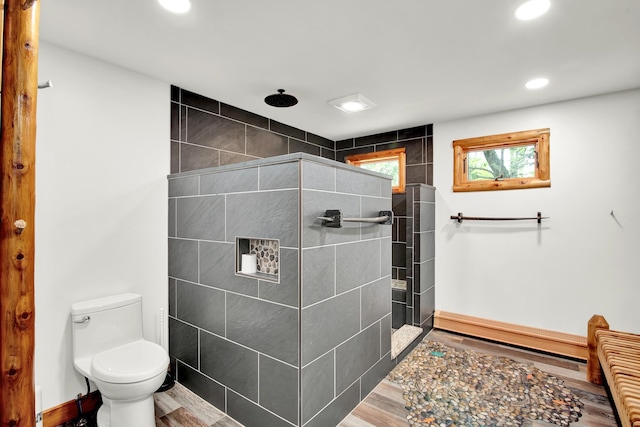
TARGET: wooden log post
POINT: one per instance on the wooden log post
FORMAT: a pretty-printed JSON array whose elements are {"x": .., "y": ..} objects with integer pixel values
[
  {"x": 17, "y": 211},
  {"x": 594, "y": 372}
]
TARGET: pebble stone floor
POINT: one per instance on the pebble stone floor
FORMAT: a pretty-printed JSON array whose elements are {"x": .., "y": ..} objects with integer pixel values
[{"x": 444, "y": 386}]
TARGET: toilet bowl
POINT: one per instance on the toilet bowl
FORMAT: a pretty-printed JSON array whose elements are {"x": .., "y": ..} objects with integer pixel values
[{"x": 109, "y": 349}]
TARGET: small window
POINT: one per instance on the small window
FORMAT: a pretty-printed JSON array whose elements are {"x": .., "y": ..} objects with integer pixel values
[
  {"x": 388, "y": 162},
  {"x": 502, "y": 162}
]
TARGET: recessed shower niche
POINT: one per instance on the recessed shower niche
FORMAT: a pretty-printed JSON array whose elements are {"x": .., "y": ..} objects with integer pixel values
[{"x": 258, "y": 258}]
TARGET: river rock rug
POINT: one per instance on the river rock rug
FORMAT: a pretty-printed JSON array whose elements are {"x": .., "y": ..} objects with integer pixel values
[{"x": 448, "y": 387}]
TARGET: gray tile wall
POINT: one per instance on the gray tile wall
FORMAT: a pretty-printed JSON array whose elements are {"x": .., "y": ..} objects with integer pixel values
[
  {"x": 421, "y": 277},
  {"x": 233, "y": 339},
  {"x": 207, "y": 133},
  {"x": 346, "y": 292},
  {"x": 418, "y": 142},
  {"x": 400, "y": 254},
  {"x": 304, "y": 351}
]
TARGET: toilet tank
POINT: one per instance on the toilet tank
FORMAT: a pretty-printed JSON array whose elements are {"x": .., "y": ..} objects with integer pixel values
[{"x": 103, "y": 323}]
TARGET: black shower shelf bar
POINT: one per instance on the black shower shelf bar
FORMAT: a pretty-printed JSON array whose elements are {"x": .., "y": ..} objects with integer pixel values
[
  {"x": 333, "y": 218},
  {"x": 460, "y": 217}
]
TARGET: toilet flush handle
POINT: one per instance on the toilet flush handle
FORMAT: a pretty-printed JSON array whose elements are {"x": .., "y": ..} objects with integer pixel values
[{"x": 84, "y": 319}]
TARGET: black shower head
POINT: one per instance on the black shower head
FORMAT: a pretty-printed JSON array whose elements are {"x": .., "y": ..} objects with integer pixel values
[{"x": 281, "y": 99}]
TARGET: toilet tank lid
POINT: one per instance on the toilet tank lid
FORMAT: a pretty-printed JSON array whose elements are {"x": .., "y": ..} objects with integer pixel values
[{"x": 104, "y": 303}]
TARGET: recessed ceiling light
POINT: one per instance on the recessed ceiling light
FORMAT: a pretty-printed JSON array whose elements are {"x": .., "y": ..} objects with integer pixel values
[
  {"x": 537, "y": 83},
  {"x": 176, "y": 6},
  {"x": 352, "y": 103},
  {"x": 532, "y": 9}
]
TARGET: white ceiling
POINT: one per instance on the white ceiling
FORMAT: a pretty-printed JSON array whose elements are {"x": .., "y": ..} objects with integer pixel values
[{"x": 420, "y": 61}]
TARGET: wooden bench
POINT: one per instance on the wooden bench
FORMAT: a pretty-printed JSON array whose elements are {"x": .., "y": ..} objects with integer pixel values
[{"x": 617, "y": 356}]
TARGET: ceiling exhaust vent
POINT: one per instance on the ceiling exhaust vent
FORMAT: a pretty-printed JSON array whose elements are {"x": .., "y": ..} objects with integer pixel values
[{"x": 281, "y": 99}]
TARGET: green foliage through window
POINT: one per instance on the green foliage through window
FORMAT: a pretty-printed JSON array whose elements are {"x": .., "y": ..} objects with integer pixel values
[
  {"x": 506, "y": 162},
  {"x": 387, "y": 167}
]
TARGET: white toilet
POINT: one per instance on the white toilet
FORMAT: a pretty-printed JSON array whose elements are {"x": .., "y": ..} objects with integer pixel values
[{"x": 109, "y": 349}]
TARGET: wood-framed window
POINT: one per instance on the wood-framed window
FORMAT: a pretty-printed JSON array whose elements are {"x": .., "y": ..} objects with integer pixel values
[
  {"x": 502, "y": 162},
  {"x": 389, "y": 162}
]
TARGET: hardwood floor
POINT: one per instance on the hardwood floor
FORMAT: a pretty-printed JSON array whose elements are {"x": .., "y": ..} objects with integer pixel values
[
  {"x": 178, "y": 407},
  {"x": 385, "y": 405}
]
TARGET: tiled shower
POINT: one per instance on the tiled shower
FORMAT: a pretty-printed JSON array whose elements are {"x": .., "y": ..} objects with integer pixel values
[
  {"x": 301, "y": 347},
  {"x": 206, "y": 133}
]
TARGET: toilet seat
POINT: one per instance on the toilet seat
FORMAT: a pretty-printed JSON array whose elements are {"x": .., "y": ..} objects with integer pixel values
[{"x": 130, "y": 363}]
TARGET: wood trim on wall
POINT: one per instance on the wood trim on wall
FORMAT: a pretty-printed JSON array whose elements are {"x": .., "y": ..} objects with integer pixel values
[
  {"x": 392, "y": 154},
  {"x": 560, "y": 343},
  {"x": 537, "y": 137},
  {"x": 67, "y": 411}
]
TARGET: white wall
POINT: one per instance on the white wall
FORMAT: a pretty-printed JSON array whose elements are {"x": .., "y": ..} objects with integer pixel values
[
  {"x": 101, "y": 212},
  {"x": 101, "y": 201},
  {"x": 582, "y": 260}
]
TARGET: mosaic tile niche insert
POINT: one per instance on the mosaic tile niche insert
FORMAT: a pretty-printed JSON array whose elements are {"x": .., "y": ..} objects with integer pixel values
[
  {"x": 266, "y": 255},
  {"x": 267, "y": 252}
]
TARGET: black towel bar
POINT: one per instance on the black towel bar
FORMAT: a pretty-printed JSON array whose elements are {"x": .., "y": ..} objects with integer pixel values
[
  {"x": 461, "y": 217},
  {"x": 333, "y": 218}
]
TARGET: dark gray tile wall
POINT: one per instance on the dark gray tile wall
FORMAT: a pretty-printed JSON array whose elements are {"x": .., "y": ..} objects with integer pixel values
[
  {"x": 399, "y": 308},
  {"x": 230, "y": 182},
  {"x": 399, "y": 236},
  {"x": 207, "y": 133},
  {"x": 264, "y": 214},
  {"x": 183, "y": 342},
  {"x": 356, "y": 356},
  {"x": 248, "y": 413},
  {"x": 304, "y": 351},
  {"x": 418, "y": 142},
  {"x": 328, "y": 323},
  {"x": 199, "y": 218},
  {"x": 269, "y": 328},
  {"x": 201, "y": 306},
  {"x": 317, "y": 385},
  {"x": 319, "y": 268},
  {"x": 375, "y": 298},
  {"x": 385, "y": 336},
  {"x": 366, "y": 255},
  {"x": 401, "y": 255},
  {"x": 346, "y": 292},
  {"x": 230, "y": 364},
  {"x": 319, "y": 201},
  {"x": 275, "y": 375},
  {"x": 217, "y": 268},
  {"x": 339, "y": 407},
  {"x": 421, "y": 256},
  {"x": 210, "y": 391},
  {"x": 183, "y": 259},
  {"x": 234, "y": 339}
]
